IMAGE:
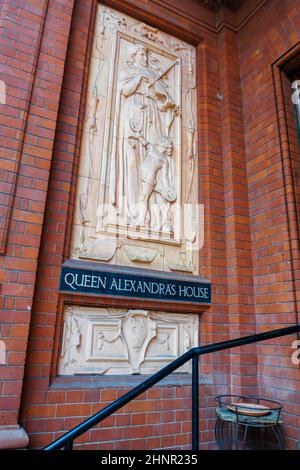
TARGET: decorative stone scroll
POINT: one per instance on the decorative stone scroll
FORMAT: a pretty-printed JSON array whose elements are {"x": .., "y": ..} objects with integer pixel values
[
  {"x": 114, "y": 341},
  {"x": 137, "y": 201}
]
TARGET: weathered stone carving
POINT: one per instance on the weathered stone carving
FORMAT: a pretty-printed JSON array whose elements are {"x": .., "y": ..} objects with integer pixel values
[
  {"x": 149, "y": 32},
  {"x": 71, "y": 339},
  {"x": 139, "y": 145},
  {"x": 138, "y": 330},
  {"x": 141, "y": 160},
  {"x": 139, "y": 254},
  {"x": 102, "y": 341}
]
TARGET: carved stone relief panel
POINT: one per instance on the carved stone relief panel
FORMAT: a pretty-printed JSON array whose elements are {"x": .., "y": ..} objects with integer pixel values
[
  {"x": 136, "y": 200},
  {"x": 114, "y": 341}
]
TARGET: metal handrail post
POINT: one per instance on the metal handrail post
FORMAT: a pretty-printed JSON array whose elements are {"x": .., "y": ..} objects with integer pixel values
[{"x": 195, "y": 403}]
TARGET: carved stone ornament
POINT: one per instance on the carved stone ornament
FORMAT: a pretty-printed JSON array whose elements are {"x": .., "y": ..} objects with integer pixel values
[
  {"x": 114, "y": 341},
  {"x": 138, "y": 161}
]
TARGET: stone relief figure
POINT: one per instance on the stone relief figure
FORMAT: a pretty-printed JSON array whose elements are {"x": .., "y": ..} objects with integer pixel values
[
  {"x": 156, "y": 174},
  {"x": 71, "y": 338},
  {"x": 141, "y": 153}
]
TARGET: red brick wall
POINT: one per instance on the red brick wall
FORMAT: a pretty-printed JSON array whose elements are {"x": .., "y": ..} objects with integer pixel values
[
  {"x": 248, "y": 253},
  {"x": 33, "y": 43},
  {"x": 265, "y": 39},
  {"x": 162, "y": 417}
]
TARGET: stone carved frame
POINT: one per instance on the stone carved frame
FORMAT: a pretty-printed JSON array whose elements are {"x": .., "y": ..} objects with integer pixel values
[
  {"x": 88, "y": 221},
  {"x": 192, "y": 35},
  {"x": 117, "y": 341}
]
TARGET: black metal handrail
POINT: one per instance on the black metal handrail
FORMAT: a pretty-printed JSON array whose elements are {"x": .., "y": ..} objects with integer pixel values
[{"x": 66, "y": 441}]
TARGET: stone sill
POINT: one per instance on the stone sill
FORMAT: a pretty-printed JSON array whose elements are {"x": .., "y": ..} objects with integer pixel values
[
  {"x": 121, "y": 381},
  {"x": 13, "y": 437}
]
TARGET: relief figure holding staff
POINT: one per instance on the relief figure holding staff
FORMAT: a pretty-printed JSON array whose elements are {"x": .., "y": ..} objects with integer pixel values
[{"x": 139, "y": 166}]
